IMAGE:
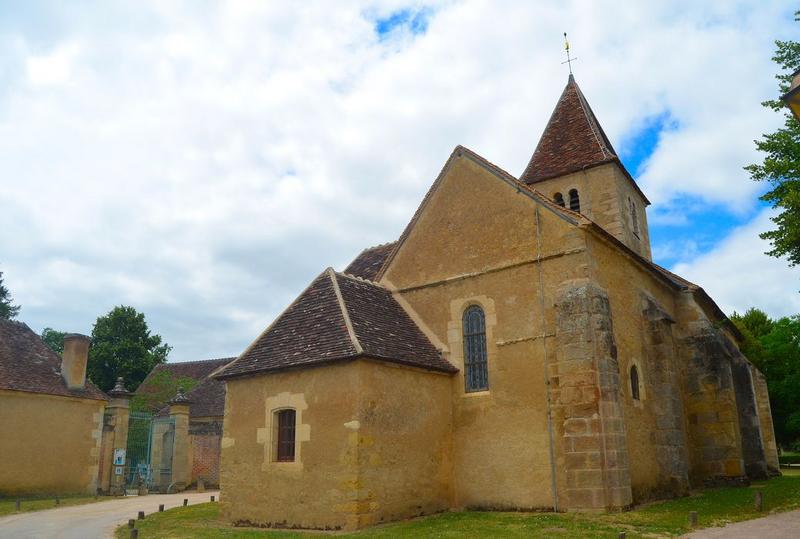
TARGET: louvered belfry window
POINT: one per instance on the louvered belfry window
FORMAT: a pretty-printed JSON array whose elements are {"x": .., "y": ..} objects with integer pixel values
[
  {"x": 286, "y": 424},
  {"x": 574, "y": 200},
  {"x": 476, "y": 372}
]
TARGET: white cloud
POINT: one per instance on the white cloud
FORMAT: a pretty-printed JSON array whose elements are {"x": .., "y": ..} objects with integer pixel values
[
  {"x": 204, "y": 162},
  {"x": 738, "y": 275}
]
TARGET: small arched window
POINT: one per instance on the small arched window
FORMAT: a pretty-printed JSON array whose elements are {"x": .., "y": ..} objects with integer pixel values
[
  {"x": 634, "y": 217},
  {"x": 635, "y": 383},
  {"x": 476, "y": 372},
  {"x": 574, "y": 200},
  {"x": 558, "y": 198},
  {"x": 284, "y": 439}
]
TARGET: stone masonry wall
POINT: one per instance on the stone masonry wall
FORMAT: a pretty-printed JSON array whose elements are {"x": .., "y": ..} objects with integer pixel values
[
  {"x": 710, "y": 403},
  {"x": 669, "y": 437},
  {"x": 587, "y": 413},
  {"x": 755, "y": 465},
  {"x": 765, "y": 418}
]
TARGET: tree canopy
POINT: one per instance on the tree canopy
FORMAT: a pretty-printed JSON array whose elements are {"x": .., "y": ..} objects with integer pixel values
[
  {"x": 774, "y": 347},
  {"x": 781, "y": 164},
  {"x": 7, "y": 308},
  {"x": 122, "y": 345},
  {"x": 54, "y": 339}
]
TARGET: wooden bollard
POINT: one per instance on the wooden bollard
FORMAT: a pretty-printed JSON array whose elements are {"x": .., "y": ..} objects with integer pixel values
[
  {"x": 622, "y": 535},
  {"x": 141, "y": 515},
  {"x": 58, "y": 501},
  {"x": 131, "y": 522},
  {"x": 185, "y": 502},
  {"x": 693, "y": 519},
  {"x": 134, "y": 533},
  {"x": 759, "y": 501},
  {"x": 212, "y": 498},
  {"x": 161, "y": 508},
  {"x": 18, "y": 505}
]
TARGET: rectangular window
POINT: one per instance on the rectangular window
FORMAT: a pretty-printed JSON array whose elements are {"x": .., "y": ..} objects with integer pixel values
[{"x": 286, "y": 424}]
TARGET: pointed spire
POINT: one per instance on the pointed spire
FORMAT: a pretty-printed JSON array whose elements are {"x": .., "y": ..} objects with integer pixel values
[{"x": 572, "y": 140}]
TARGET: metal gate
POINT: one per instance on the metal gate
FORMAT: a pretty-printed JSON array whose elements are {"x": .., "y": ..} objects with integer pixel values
[{"x": 150, "y": 447}]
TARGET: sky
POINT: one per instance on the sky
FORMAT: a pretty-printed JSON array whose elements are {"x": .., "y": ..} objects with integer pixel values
[{"x": 203, "y": 161}]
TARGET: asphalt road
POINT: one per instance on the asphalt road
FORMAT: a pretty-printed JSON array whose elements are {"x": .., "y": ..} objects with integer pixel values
[{"x": 91, "y": 521}]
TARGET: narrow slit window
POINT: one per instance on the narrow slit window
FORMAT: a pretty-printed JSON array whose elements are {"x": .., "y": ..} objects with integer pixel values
[
  {"x": 574, "y": 200},
  {"x": 634, "y": 217},
  {"x": 558, "y": 198},
  {"x": 635, "y": 383},
  {"x": 476, "y": 372},
  {"x": 285, "y": 441}
]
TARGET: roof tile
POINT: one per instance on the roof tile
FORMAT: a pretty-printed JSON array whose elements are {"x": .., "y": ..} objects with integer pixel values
[{"x": 28, "y": 364}]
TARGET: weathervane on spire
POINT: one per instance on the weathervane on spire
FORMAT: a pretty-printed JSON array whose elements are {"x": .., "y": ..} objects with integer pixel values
[{"x": 569, "y": 60}]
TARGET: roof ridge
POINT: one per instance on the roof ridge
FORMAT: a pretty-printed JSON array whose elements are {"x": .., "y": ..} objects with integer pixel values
[
  {"x": 347, "y": 322},
  {"x": 378, "y": 246},
  {"x": 359, "y": 278},
  {"x": 594, "y": 124},
  {"x": 197, "y": 361}
]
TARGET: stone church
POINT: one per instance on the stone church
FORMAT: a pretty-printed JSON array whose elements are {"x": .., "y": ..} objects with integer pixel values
[{"x": 515, "y": 348}]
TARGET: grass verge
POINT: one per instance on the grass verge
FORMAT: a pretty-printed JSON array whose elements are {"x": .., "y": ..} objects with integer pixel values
[
  {"x": 714, "y": 506},
  {"x": 8, "y": 505}
]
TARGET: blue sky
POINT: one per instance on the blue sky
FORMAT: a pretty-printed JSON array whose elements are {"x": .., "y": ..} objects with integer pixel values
[{"x": 203, "y": 162}]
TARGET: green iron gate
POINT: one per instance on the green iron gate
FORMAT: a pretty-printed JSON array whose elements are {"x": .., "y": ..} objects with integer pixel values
[{"x": 151, "y": 442}]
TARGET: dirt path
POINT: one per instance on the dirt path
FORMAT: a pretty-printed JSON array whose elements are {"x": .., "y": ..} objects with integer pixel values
[
  {"x": 777, "y": 526},
  {"x": 94, "y": 520}
]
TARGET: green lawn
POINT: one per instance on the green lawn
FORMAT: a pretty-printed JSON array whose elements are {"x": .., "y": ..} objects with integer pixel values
[
  {"x": 714, "y": 506},
  {"x": 8, "y": 505}
]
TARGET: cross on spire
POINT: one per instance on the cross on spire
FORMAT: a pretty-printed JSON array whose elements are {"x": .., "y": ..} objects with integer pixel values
[{"x": 569, "y": 60}]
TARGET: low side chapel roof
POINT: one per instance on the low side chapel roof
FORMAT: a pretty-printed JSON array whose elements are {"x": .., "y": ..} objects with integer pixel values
[{"x": 339, "y": 317}]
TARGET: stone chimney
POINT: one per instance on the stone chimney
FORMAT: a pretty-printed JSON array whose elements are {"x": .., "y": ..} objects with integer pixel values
[{"x": 74, "y": 359}]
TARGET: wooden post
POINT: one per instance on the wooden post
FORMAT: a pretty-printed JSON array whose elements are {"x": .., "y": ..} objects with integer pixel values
[
  {"x": 622, "y": 535},
  {"x": 18, "y": 505},
  {"x": 759, "y": 501},
  {"x": 131, "y": 523},
  {"x": 212, "y": 498},
  {"x": 185, "y": 502},
  {"x": 693, "y": 519},
  {"x": 141, "y": 515},
  {"x": 57, "y": 501},
  {"x": 134, "y": 533}
]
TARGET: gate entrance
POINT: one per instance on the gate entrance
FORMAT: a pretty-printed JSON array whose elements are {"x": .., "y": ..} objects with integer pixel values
[{"x": 151, "y": 442}]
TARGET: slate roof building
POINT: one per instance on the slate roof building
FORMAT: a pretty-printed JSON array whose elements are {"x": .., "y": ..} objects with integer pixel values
[
  {"x": 50, "y": 414},
  {"x": 515, "y": 348}
]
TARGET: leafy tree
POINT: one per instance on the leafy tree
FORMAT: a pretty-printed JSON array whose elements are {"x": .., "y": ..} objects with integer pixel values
[
  {"x": 774, "y": 347},
  {"x": 122, "y": 345},
  {"x": 7, "y": 308},
  {"x": 161, "y": 387},
  {"x": 54, "y": 339},
  {"x": 781, "y": 165}
]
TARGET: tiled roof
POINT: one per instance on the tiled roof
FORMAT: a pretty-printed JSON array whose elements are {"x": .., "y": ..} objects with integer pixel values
[
  {"x": 572, "y": 140},
  {"x": 369, "y": 261},
  {"x": 28, "y": 364},
  {"x": 339, "y": 317},
  {"x": 205, "y": 400},
  {"x": 196, "y": 370}
]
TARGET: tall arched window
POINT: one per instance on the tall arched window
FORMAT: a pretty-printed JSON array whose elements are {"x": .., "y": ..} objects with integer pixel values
[
  {"x": 558, "y": 198},
  {"x": 635, "y": 383},
  {"x": 574, "y": 200},
  {"x": 476, "y": 372}
]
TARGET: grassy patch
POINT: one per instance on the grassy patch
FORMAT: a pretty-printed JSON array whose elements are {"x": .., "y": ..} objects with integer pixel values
[
  {"x": 8, "y": 505},
  {"x": 714, "y": 507}
]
